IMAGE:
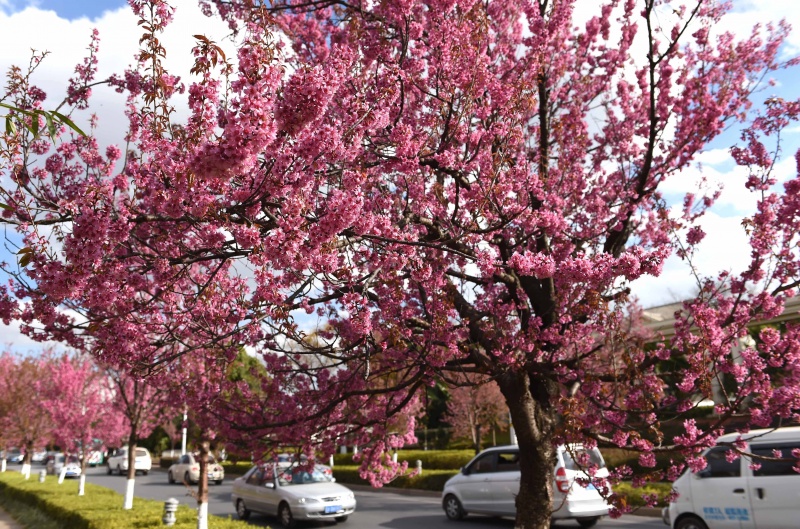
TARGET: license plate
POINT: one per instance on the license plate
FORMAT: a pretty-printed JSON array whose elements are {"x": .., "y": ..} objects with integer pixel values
[{"x": 332, "y": 508}]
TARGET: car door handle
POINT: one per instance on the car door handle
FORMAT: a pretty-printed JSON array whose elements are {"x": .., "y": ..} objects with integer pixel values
[
  {"x": 760, "y": 493},
  {"x": 738, "y": 491}
]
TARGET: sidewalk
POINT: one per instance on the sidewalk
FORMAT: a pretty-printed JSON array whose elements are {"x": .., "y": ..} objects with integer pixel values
[{"x": 7, "y": 522}]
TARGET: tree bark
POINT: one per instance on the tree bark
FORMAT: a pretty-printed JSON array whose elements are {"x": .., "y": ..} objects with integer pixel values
[
  {"x": 202, "y": 492},
  {"x": 530, "y": 401},
  {"x": 131, "y": 470}
]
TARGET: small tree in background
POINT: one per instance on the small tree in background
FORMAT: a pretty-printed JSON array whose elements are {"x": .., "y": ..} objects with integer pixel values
[
  {"x": 26, "y": 423},
  {"x": 81, "y": 402},
  {"x": 476, "y": 407}
]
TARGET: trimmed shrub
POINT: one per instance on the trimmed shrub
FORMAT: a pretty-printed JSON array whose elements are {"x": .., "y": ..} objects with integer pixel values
[
  {"x": 431, "y": 459},
  {"x": 99, "y": 508},
  {"x": 633, "y": 495},
  {"x": 429, "y": 479}
]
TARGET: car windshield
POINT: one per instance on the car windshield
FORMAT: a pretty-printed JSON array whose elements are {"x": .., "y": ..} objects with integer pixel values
[
  {"x": 73, "y": 459},
  {"x": 581, "y": 458},
  {"x": 296, "y": 476},
  {"x": 141, "y": 452}
]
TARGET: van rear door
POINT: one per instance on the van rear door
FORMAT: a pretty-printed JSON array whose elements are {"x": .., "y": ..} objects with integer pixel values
[{"x": 775, "y": 487}]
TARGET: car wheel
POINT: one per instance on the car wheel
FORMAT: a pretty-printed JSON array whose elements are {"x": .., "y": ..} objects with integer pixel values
[
  {"x": 690, "y": 522},
  {"x": 145, "y": 472},
  {"x": 186, "y": 478},
  {"x": 218, "y": 482},
  {"x": 108, "y": 470},
  {"x": 453, "y": 508},
  {"x": 119, "y": 470},
  {"x": 587, "y": 522},
  {"x": 341, "y": 519},
  {"x": 170, "y": 477},
  {"x": 241, "y": 511},
  {"x": 285, "y": 516}
]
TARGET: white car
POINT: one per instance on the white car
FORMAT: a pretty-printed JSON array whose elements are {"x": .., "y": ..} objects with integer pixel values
[
  {"x": 291, "y": 493},
  {"x": 745, "y": 492},
  {"x": 71, "y": 466},
  {"x": 490, "y": 482},
  {"x": 119, "y": 461},
  {"x": 187, "y": 470}
]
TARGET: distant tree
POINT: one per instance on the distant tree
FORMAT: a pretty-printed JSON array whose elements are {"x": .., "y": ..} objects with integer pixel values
[
  {"x": 142, "y": 406},
  {"x": 475, "y": 407},
  {"x": 79, "y": 398},
  {"x": 26, "y": 423}
]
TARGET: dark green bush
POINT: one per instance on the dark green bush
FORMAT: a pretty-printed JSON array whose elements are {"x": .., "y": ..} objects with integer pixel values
[{"x": 99, "y": 508}]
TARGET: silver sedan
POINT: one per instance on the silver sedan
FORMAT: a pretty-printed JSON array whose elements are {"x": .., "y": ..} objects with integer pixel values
[{"x": 291, "y": 493}]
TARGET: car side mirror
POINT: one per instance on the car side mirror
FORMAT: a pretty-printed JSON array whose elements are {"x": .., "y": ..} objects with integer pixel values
[
  {"x": 465, "y": 471},
  {"x": 706, "y": 473},
  {"x": 269, "y": 485}
]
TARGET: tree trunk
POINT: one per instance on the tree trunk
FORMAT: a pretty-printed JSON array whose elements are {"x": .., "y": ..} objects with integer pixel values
[
  {"x": 530, "y": 400},
  {"x": 82, "y": 479},
  {"x": 26, "y": 461},
  {"x": 202, "y": 492},
  {"x": 131, "y": 470}
]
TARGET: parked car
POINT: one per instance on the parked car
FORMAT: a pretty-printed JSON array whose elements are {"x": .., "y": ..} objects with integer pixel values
[
  {"x": 743, "y": 492},
  {"x": 291, "y": 493},
  {"x": 50, "y": 460},
  {"x": 15, "y": 455},
  {"x": 119, "y": 461},
  {"x": 187, "y": 470},
  {"x": 70, "y": 464},
  {"x": 490, "y": 482},
  {"x": 39, "y": 456}
]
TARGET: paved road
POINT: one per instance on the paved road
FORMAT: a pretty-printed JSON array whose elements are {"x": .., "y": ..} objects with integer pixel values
[{"x": 376, "y": 509}]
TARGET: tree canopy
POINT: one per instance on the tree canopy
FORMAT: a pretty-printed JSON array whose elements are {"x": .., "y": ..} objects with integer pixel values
[{"x": 452, "y": 186}]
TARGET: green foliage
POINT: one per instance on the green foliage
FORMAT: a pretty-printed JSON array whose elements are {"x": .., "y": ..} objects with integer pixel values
[
  {"x": 99, "y": 508},
  {"x": 633, "y": 495},
  {"x": 431, "y": 459},
  {"x": 428, "y": 480},
  {"x": 52, "y": 118},
  {"x": 236, "y": 469}
]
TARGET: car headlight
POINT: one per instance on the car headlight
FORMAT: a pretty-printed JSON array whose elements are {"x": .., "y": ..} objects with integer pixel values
[
  {"x": 350, "y": 496},
  {"x": 307, "y": 500}
]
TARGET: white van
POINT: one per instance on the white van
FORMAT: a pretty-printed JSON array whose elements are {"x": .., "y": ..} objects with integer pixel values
[
  {"x": 490, "y": 482},
  {"x": 728, "y": 495}
]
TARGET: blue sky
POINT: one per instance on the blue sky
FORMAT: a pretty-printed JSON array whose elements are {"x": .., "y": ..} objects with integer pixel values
[{"x": 66, "y": 9}]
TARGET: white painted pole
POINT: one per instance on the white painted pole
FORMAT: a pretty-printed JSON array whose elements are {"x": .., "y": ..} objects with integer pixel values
[{"x": 82, "y": 485}]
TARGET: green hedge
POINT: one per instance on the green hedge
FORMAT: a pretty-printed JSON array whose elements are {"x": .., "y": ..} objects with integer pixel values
[
  {"x": 428, "y": 480},
  {"x": 99, "y": 508},
  {"x": 431, "y": 459},
  {"x": 633, "y": 496}
]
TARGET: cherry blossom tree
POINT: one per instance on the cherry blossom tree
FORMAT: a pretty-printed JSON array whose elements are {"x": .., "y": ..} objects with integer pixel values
[
  {"x": 26, "y": 423},
  {"x": 140, "y": 406},
  {"x": 475, "y": 407},
  {"x": 79, "y": 399},
  {"x": 449, "y": 187}
]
